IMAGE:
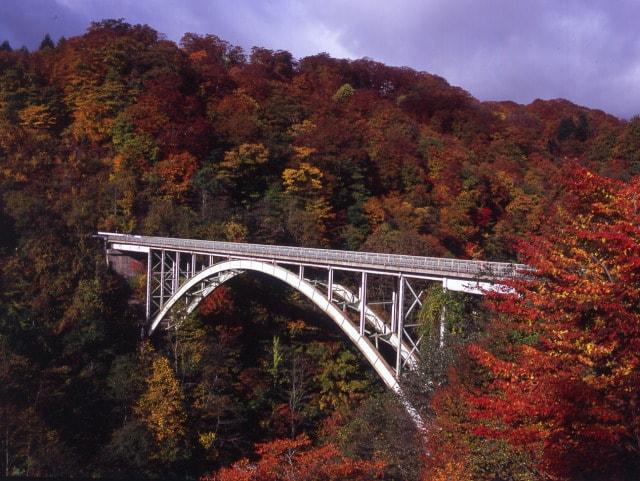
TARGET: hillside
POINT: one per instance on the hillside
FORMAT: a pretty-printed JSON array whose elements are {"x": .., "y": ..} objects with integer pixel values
[{"x": 122, "y": 130}]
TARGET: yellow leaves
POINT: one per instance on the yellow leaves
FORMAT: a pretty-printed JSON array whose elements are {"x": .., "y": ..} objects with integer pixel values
[
  {"x": 344, "y": 93},
  {"x": 246, "y": 155},
  {"x": 207, "y": 439},
  {"x": 246, "y": 100},
  {"x": 235, "y": 231},
  {"x": 251, "y": 153},
  {"x": 589, "y": 348},
  {"x": 302, "y": 179},
  {"x": 595, "y": 350},
  {"x": 309, "y": 211},
  {"x": 302, "y": 153},
  {"x": 242, "y": 171},
  {"x": 160, "y": 408},
  {"x": 505, "y": 180},
  {"x": 445, "y": 156},
  {"x": 457, "y": 215}
]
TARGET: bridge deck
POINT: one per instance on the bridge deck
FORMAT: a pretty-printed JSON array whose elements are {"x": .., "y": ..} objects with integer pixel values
[{"x": 391, "y": 263}]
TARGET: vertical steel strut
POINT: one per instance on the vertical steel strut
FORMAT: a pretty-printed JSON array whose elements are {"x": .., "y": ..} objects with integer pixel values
[
  {"x": 149, "y": 279},
  {"x": 162, "y": 280},
  {"x": 363, "y": 301},
  {"x": 400, "y": 325}
]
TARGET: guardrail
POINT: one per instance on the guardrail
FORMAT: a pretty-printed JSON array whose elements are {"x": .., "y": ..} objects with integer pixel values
[{"x": 462, "y": 268}]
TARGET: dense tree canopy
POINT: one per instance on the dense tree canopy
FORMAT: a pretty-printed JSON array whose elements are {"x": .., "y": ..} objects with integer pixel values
[{"x": 120, "y": 129}]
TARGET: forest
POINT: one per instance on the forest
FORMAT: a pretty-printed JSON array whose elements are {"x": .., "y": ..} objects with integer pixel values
[{"x": 122, "y": 130}]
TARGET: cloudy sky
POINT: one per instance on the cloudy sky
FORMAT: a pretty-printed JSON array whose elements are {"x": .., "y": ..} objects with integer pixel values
[{"x": 587, "y": 51}]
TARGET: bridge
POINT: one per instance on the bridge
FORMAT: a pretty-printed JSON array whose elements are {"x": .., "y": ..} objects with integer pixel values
[{"x": 373, "y": 298}]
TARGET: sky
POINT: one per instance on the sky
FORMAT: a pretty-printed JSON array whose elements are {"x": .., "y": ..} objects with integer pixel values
[{"x": 587, "y": 51}]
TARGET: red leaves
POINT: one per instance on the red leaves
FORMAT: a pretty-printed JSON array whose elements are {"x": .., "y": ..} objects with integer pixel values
[
  {"x": 297, "y": 460},
  {"x": 571, "y": 397},
  {"x": 218, "y": 302}
]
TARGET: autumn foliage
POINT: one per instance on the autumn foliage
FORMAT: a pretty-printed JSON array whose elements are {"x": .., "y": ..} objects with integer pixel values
[
  {"x": 297, "y": 460},
  {"x": 120, "y": 129},
  {"x": 561, "y": 376},
  {"x": 572, "y": 395}
]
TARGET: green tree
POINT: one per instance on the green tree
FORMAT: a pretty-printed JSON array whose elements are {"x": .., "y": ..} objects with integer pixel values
[
  {"x": 242, "y": 172},
  {"x": 46, "y": 43}
]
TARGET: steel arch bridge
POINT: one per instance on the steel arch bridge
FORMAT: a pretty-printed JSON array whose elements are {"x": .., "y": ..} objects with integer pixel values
[{"x": 376, "y": 306}]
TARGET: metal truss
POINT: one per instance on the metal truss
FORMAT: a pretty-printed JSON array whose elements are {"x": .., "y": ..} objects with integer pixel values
[
  {"x": 392, "y": 321},
  {"x": 378, "y": 312}
]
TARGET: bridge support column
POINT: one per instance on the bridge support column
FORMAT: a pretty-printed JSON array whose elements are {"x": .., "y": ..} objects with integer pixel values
[
  {"x": 363, "y": 301},
  {"x": 394, "y": 309},
  {"x": 162, "y": 281},
  {"x": 330, "y": 285},
  {"x": 176, "y": 274},
  {"x": 400, "y": 325},
  {"x": 301, "y": 272},
  {"x": 149, "y": 279}
]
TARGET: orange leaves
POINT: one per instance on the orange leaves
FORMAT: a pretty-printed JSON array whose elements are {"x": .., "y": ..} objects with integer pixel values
[
  {"x": 175, "y": 173},
  {"x": 296, "y": 460},
  {"x": 37, "y": 117},
  {"x": 498, "y": 367},
  {"x": 198, "y": 56},
  {"x": 394, "y": 209}
]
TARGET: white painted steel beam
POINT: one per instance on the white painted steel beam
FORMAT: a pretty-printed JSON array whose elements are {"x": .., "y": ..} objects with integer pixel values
[
  {"x": 385, "y": 263},
  {"x": 130, "y": 247}
]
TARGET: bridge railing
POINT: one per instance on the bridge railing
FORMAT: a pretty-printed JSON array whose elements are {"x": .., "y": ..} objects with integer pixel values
[{"x": 466, "y": 268}]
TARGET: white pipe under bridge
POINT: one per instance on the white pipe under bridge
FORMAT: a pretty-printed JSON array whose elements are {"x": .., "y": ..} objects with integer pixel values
[{"x": 375, "y": 305}]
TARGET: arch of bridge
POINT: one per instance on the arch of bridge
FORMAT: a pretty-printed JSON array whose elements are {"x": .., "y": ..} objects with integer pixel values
[
  {"x": 234, "y": 267},
  {"x": 307, "y": 289}
]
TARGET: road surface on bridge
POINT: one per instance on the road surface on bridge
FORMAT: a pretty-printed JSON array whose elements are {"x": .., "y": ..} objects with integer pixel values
[{"x": 371, "y": 261}]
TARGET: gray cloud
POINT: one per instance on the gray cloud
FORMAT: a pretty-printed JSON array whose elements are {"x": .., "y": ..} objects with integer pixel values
[
  {"x": 25, "y": 23},
  {"x": 584, "y": 50}
]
